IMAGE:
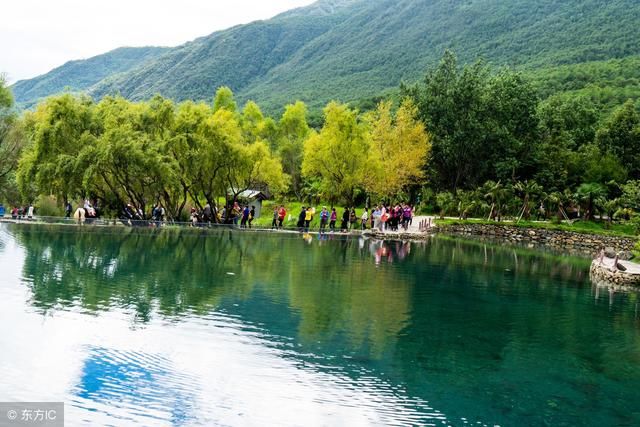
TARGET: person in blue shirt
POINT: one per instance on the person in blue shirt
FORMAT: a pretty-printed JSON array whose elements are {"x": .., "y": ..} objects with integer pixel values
[
  {"x": 1, "y": 210},
  {"x": 324, "y": 219},
  {"x": 245, "y": 217}
]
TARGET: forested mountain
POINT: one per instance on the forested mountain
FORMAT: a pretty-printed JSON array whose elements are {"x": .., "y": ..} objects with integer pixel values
[
  {"x": 80, "y": 75},
  {"x": 353, "y": 49}
]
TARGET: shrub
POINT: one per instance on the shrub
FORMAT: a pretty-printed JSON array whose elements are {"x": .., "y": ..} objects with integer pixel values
[{"x": 47, "y": 206}]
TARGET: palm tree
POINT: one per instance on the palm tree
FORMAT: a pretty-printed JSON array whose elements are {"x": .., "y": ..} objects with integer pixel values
[
  {"x": 527, "y": 189},
  {"x": 589, "y": 193},
  {"x": 496, "y": 193},
  {"x": 466, "y": 203},
  {"x": 557, "y": 202},
  {"x": 610, "y": 207},
  {"x": 445, "y": 202}
]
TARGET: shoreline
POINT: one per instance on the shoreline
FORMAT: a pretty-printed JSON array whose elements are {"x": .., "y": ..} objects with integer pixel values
[{"x": 572, "y": 241}]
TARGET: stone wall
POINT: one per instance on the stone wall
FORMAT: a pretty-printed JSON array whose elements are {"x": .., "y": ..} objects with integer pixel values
[{"x": 588, "y": 243}]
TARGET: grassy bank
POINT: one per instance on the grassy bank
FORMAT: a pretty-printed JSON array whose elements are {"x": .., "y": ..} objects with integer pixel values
[{"x": 293, "y": 210}]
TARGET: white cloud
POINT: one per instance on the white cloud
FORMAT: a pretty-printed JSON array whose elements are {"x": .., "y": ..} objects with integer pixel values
[{"x": 38, "y": 35}]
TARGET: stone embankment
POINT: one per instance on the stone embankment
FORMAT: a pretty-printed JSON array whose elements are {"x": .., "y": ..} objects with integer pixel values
[
  {"x": 616, "y": 274},
  {"x": 587, "y": 243}
]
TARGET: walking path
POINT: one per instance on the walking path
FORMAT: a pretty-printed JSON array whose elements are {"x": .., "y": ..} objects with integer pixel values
[{"x": 414, "y": 228}]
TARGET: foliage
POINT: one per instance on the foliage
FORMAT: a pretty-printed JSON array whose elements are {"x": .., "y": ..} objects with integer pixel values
[
  {"x": 482, "y": 125},
  {"x": 398, "y": 151},
  {"x": 337, "y": 154},
  {"x": 11, "y": 142},
  {"x": 59, "y": 129},
  {"x": 620, "y": 136},
  {"x": 117, "y": 152},
  {"x": 293, "y": 130}
]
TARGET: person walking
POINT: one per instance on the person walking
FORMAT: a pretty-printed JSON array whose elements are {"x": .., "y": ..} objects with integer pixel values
[
  {"x": 274, "y": 219},
  {"x": 301, "y": 218},
  {"x": 252, "y": 215},
  {"x": 236, "y": 212},
  {"x": 353, "y": 219},
  {"x": 407, "y": 214},
  {"x": 206, "y": 213},
  {"x": 324, "y": 219},
  {"x": 344, "y": 226},
  {"x": 364, "y": 218},
  {"x": 377, "y": 218},
  {"x": 308, "y": 218},
  {"x": 332, "y": 219},
  {"x": 282, "y": 214},
  {"x": 245, "y": 217}
]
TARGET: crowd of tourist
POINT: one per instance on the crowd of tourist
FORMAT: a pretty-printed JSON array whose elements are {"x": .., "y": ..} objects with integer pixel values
[
  {"x": 381, "y": 217},
  {"x": 18, "y": 212}
]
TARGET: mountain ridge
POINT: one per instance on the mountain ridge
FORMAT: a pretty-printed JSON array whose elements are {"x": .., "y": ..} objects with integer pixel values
[
  {"x": 81, "y": 74},
  {"x": 354, "y": 49}
]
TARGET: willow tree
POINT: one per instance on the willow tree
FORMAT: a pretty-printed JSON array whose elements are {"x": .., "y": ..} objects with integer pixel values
[
  {"x": 61, "y": 126},
  {"x": 12, "y": 141},
  {"x": 251, "y": 121},
  {"x": 293, "y": 130},
  {"x": 239, "y": 165},
  {"x": 185, "y": 147},
  {"x": 337, "y": 155},
  {"x": 399, "y": 150},
  {"x": 125, "y": 163}
]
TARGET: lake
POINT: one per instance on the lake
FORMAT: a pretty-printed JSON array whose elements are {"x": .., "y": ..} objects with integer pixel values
[{"x": 182, "y": 327}]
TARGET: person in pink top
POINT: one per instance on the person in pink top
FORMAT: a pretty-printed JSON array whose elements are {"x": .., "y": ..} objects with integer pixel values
[{"x": 332, "y": 219}]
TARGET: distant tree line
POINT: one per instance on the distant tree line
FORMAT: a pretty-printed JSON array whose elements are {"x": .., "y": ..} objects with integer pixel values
[{"x": 464, "y": 141}]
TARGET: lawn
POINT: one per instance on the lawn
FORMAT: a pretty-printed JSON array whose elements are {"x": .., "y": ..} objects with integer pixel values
[{"x": 293, "y": 210}]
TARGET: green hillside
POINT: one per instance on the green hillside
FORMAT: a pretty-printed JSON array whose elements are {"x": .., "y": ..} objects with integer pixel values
[
  {"x": 82, "y": 74},
  {"x": 385, "y": 42},
  {"x": 236, "y": 57},
  {"x": 356, "y": 49}
]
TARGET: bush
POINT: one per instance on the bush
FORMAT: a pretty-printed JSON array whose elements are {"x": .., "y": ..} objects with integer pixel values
[
  {"x": 47, "y": 206},
  {"x": 635, "y": 221}
]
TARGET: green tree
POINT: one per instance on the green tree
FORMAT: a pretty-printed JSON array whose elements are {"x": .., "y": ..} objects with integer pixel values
[
  {"x": 589, "y": 194},
  {"x": 224, "y": 100},
  {"x": 337, "y": 155},
  {"x": 620, "y": 135},
  {"x": 481, "y": 126},
  {"x": 252, "y": 121},
  {"x": 124, "y": 163},
  {"x": 528, "y": 191},
  {"x": 399, "y": 145},
  {"x": 293, "y": 130},
  {"x": 12, "y": 140},
  {"x": 61, "y": 127}
]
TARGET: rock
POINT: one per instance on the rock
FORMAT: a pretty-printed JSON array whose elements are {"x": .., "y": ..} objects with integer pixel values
[
  {"x": 625, "y": 255},
  {"x": 609, "y": 252},
  {"x": 621, "y": 267}
]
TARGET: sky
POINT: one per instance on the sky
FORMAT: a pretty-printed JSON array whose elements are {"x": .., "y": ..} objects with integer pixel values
[{"x": 39, "y": 35}]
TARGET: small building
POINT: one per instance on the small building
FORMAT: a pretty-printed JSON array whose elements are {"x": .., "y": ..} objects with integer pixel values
[{"x": 253, "y": 198}]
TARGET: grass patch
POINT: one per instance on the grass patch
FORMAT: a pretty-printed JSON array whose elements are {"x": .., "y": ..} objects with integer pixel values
[{"x": 293, "y": 210}]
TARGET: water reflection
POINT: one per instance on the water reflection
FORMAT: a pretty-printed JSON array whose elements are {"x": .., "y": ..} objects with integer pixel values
[
  {"x": 134, "y": 382},
  {"x": 396, "y": 332}
]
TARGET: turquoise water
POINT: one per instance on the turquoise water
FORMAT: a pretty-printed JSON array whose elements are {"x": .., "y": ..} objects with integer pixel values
[{"x": 132, "y": 327}]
